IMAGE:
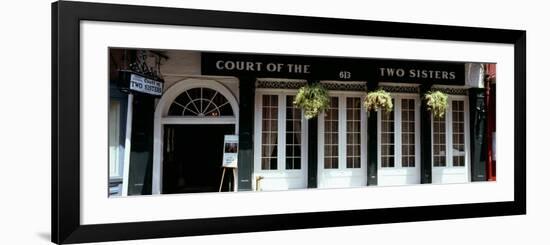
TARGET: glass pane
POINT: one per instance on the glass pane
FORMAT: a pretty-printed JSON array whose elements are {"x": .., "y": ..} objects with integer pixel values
[
  {"x": 293, "y": 134},
  {"x": 353, "y": 132},
  {"x": 331, "y": 134},
  {"x": 458, "y": 133},
  {"x": 407, "y": 132},
  {"x": 387, "y": 138},
  {"x": 269, "y": 132},
  {"x": 439, "y": 144}
]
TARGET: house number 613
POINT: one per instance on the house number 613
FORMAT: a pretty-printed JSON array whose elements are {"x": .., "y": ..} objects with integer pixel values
[{"x": 345, "y": 74}]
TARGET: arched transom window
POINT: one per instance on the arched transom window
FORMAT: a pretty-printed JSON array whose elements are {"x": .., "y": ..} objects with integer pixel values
[{"x": 200, "y": 102}]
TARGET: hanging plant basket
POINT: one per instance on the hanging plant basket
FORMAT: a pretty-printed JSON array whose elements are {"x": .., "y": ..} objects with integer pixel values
[
  {"x": 379, "y": 99},
  {"x": 313, "y": 99},
  {"x": 436, "y": 101}
]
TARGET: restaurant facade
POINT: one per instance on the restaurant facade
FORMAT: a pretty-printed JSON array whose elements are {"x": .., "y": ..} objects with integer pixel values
[{"x": 169, "y": 111}]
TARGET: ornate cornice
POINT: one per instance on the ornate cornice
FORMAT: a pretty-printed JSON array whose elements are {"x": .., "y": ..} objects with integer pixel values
[
  {"x": 296, "y": 84},
  {"x": 345, "y": 86},
  {"x": 401, "y": 89},
  {"x": 280, "y": 84},
  {"x": 453, "y": 91}
]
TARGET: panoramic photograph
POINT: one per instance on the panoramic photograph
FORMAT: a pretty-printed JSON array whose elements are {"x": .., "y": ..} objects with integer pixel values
[{"x": 184, "y": 121}]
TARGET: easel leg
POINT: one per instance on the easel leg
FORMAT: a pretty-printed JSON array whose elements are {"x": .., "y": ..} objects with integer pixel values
[
  {"x": 234, "y": 179},
  {"x": 221, "y": 183}
]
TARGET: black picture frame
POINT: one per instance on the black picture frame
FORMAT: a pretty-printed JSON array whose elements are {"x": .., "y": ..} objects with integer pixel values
[{"x": 66, "y": 17}]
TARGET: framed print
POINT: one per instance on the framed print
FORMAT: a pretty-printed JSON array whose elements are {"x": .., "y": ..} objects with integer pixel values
[{"x": 176, "y": 122}]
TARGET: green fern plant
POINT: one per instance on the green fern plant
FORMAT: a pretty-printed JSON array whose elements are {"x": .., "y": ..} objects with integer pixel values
[
  {"x": 436, "y": 101},
  {"x": 378, "y": 99},
  {"x": 313, "y": 99}
]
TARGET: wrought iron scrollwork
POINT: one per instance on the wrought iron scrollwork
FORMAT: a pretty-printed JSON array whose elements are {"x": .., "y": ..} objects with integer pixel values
[{"x": 140, "y": 65}]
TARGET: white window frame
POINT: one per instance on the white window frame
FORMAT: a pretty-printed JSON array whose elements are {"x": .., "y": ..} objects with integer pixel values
[
  {"x": 281, "y": 178},
  {"x": 398, "y": 131},
  {"x": 325, "y": 174}
]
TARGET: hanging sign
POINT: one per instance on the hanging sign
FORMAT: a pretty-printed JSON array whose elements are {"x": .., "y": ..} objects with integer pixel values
[
  {"x": 137, "y": 83},
  {"x": 230, "y": 151},
  {"x": 145, "y": 85}
]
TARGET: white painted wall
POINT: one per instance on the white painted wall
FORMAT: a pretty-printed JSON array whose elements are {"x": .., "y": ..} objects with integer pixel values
[
  {"x": 184, "y": 64},
  {"x": 25, "y": 145}
]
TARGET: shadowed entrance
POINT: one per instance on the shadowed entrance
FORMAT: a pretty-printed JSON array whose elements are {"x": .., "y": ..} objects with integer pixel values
[{"x": 193, "y": 158}]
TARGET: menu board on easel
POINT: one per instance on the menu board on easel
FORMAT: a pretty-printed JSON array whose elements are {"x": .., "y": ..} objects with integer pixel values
[{"x": 230, "y": 151}]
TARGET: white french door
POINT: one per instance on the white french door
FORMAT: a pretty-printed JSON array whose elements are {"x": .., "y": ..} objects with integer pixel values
[
  {"x": 280, "y": 149},
  {"x": 342, "y": 142},
  {"x": 399, "y": 141},
  {"x": 450, "y": 143}
]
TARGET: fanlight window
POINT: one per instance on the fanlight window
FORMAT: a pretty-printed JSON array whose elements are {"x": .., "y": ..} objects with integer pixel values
[{"x": 200, "y": 102}]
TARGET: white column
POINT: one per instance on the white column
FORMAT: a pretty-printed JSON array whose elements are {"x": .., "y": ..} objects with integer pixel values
[{"x": 127, "y": 145}]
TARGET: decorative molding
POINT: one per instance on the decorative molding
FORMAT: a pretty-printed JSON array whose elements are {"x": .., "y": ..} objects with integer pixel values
[
  {"x": 453, "y": 91},
  {"x": 296, "y": 84},
  {"x": 345, "y": 86},
  {"x": 401, "y": 89},
  {"x": 416, "y": 90},
  {"x": 280, "y": 84}
]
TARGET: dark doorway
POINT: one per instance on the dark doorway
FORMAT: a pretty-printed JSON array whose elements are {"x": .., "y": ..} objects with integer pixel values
[{"x": 193, "y": 158}]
